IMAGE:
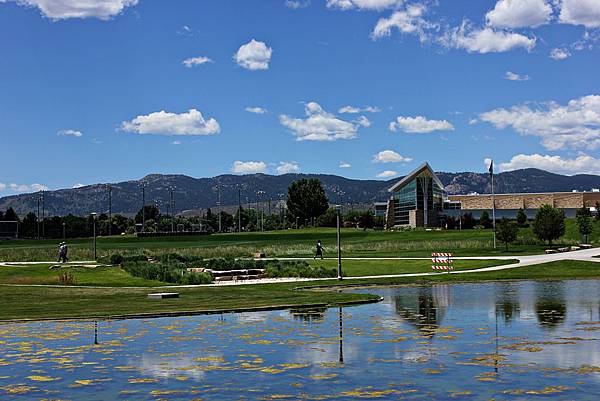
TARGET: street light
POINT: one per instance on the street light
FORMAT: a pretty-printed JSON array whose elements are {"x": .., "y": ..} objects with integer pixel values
[
  {"x": 64, "y": 225},
  {"x": 339, "y": 243},
  {"x": 94, "y": 215}
]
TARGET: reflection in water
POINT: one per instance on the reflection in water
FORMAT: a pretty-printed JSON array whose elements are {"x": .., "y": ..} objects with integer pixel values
[
  {"x": 550, "y": 305},
  {"x": 341, "y": 353},
  {"x": 95, "y": 332},
  {"x": 309, "y": 315},
  {"x": 507, "y": 302},
  {"x": 423, "y": 307}
]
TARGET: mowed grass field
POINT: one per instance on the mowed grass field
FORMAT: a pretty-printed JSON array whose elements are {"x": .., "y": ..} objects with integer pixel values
[{"x": 296, "y": 243}]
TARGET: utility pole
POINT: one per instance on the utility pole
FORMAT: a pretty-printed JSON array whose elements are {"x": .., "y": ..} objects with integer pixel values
[
  {"x": 143, "y": 206},
  {"x": 43, "y": 215},
  {"x": 39, "y": 199},
  {"x": 219, "y": 203},
  {"x": 493, "y": 202},
  {"x": 172, "y": 206},
  {"x": 109, "y": 210}
]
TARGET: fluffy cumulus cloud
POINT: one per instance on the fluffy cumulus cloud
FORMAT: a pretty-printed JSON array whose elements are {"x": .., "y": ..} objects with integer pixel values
[
  {"x": 559, "y": 54},
  {"x": 419, "y": 125},
  {"x": 288, "y": 167},
  {"x": 249, "y": 167},
  {"x": 356, "y": 110},
  {"x": 22, "y": 187},
  {"x": 583, "y": 164},
  {"x": 319, "y": 125},
  {"x": 511, "y": 76},
  {"x": 387, "y": 174},
  {"x": 254, "y": 55},
  {"x": 363, "y": 4},
  {"x": 70, "y": 132},
  {"x": 519, "y": 14},
  {"x": 193, "y": 61},
  {"x": 164, "y": 123},
  {"x": 64, "y": 9},
  {"x": 485, "y": 40},
  {"x": 345, "y": 164},
  {"x": 407, "y": 21},
  {"x": 256, "y": 110},
  {"x": 389, "y": 156},
  {"x": 575, "y": 125},
  {"x": 580, "y": 12}
]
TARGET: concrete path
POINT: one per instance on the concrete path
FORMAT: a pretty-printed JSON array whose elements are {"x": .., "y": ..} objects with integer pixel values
[{"x": 587, "y": 255}]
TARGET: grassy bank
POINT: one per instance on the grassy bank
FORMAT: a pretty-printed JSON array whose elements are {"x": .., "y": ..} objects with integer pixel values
[
  {"x": 296, "y": 243},
  {"x": 43, "y": 302}
]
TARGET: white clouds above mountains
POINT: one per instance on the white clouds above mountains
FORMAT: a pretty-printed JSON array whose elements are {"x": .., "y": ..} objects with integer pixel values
[
  {"x": 519, "y": 14},
  {"x": 254, "y": 55},
  {"x": 251, "y": 167},
  {"x": 256, "y": 110},
  {"x": 486, "y": 40},
  {"x": 64, "y": 9},
  {"x": 387, "y": 174},
  {"x": 575, "y": 125},
  {"x": 511, "y": 76},
  {"x": 583, "y": 164},
  {"x": 70, "y": 132},
  {"x": 164, "y": 123},
  {"x": 22, "y": 187},
  {"x": 288, "y": 167},
  {"x": 319, "y": 125},
  {"x": 389, "y": 156},
  {"x": 344, "y": 164},
  {"x": 193, "y": 61},
  {"x": 419, "y": 125},
  {"x": 363, "y": 4},
  {"x": 580, "y": 12}
]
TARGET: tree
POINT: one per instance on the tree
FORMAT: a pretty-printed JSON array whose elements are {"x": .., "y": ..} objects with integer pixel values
[
  {"x": 485, "y": 220},
  {"x": 307, "y": 199},
  {"x": 506, "y": 231},
  {"x": 10, "y": 215},
  {"x": 151, "y": 213},
  {"x": 521, "y": 218},
  {"x": 584, "y": 222},
  {"x": 549, "y": 223},
  {"x": 328, "y": 219},
  {"x": 598, "y": 211},
  {"x": 366, "y": 219}
]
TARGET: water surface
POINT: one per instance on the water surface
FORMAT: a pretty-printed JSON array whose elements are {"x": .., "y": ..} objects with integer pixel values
[{"x": 508, "y": 341}]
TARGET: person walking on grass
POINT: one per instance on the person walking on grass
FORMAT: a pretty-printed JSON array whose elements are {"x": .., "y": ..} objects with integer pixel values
[{"x": 319, "y": 252}]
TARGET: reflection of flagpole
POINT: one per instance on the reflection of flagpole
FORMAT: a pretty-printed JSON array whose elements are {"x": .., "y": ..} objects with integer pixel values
[
  {"x": 341, "y": 337},
  {"x": 493, "y": 202},
  {"x": 496, "y": 359},
  {"x": 96, "y": 333}
]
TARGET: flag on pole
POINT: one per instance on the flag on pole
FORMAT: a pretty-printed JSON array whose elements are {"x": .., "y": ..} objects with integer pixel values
[{"x": 491, "y": 167}]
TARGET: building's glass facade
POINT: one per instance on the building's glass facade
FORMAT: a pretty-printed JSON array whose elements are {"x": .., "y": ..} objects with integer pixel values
[
  {"x": 421, "y": 193},
  {"x": 405, "y": 200}
]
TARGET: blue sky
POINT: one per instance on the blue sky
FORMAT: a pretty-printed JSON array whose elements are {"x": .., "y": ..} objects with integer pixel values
[{"x": 359, "y": 88}]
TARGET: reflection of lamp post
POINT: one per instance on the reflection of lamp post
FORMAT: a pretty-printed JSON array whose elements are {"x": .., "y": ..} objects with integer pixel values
[
  {"x": 339, "y": 242},
  {"x": 94, "y": 214}
]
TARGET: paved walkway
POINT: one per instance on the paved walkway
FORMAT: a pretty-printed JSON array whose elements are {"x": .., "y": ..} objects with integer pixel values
[{"x": 587, "y": 255}]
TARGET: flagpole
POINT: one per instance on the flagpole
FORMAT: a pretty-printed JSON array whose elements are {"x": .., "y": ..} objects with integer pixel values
[{"x": 493, "y": 203}]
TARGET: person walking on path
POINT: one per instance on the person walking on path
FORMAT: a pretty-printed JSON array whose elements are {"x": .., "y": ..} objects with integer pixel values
[
  {"x": 62, "y": 252},
  {"x": 319, "y": 252}
]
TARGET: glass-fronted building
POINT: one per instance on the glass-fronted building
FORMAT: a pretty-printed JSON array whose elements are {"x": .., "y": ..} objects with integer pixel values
[{"x": 416, "y": 200}]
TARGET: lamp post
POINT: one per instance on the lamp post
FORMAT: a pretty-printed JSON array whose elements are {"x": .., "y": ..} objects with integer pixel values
[
  {"x": 64, "y": 230},
  {"x": 339, "y": 243},
  {"x": 94, "y": 215},
  {"x": 109, "y": 189}
]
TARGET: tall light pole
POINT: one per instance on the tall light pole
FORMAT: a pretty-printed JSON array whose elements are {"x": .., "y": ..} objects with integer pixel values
[
  {"x": 43, "y": 215},
  {"x": 94, "y": 214},
  {"x": 339, "y": 244},
  {"x": 493, "y": 202},
  {"x": 109, "y": 189},
  {"x": 172, "y": 206},
  {"x": 219, "y": 203},
  {"x": 64, "y": 226},
  {"x": 39, "y": 199},
  {"x": 143, "y": 206},
  {"x": 239, "y": 209}
]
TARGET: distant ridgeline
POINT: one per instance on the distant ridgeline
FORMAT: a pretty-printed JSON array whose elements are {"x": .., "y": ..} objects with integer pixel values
[{"x": 201, "y": 193}]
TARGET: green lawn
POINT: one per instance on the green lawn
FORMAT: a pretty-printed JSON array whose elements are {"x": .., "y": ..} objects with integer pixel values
[
  {"x": 296, "y": 243},
  {"x": 44, "y": 302}
]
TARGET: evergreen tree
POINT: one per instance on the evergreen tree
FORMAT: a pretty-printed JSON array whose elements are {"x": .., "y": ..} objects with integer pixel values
[
  {"x": 307, "y": 199},
  {"x": 521, "y": 218},
  {"x": 485, "y": 220},
  {"x": 10, "y": 215}
]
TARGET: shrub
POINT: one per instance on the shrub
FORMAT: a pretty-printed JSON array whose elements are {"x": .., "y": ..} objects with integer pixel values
[
  {"x": 66, "y": 279},
  {"x": 276, "y": 268},
  {"x": 170, "y": 273}
]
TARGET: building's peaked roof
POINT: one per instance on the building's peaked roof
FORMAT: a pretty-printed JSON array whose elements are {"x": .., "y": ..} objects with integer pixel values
[{"x": 425, "y": 167}]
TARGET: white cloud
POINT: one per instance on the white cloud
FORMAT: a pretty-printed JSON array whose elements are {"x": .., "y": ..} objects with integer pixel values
[
  {"x": 64, "y": 9},
  {"x": 363, "y": 4},
  {"x": 192, "y": 61},
  {"x": 78, "y": 185},
  {"x": 559, "y": 54},
  {"x": 256, "y": 110},
  {"x": 484, "y": 40},
  {"x": 163, "y": 123},
  {"x": 575, "y": 125},
  {"x": 356, "y": 110},
  {"x": 389, "y": 156},
  {"x": 176, "y": 143},
  {"x": 296, "y": 4},
  {"x": 583, "y": 164},
  {"x": 408, "y": 21},
  {"x": 345, "y": 165},
  {"x": 519, "y": 14},
  {"x": 363, "y": 121},
  {"x": 511, "y": 76},
  {"x": 287, "y": 167},
  {"x": 319, "y": 125},
  {"x": 70, "y": 132},
  {"x": 254, "y": 55},
  {"x": 420, "y": 125},
  {"x": 580, "y": 12},
  {"x": 23, "y": 187},
  {"x": 387, "y": 174},
  {"x": 486, "y": 162},
  {"x": 249, "y": 167}
]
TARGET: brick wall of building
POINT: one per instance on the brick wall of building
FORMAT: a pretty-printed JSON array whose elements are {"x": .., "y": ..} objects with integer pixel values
[{"x": 562, "y": 200}]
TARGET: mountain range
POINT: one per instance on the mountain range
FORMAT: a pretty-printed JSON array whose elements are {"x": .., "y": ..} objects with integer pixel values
[{"x": 192, "y": 194}]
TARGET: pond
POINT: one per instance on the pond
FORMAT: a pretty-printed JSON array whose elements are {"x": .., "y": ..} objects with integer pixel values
[{"x": 509, "y": 341}]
